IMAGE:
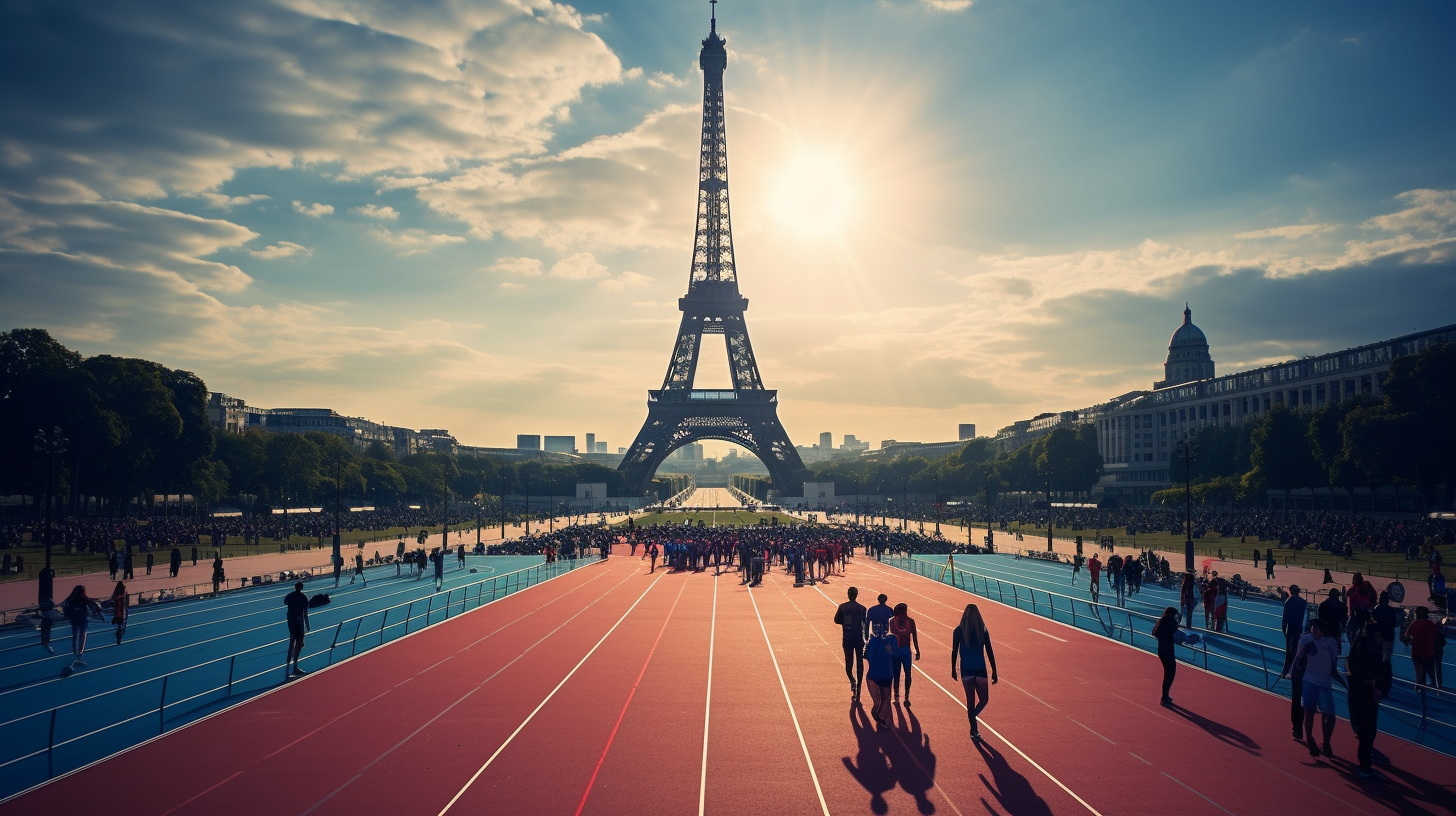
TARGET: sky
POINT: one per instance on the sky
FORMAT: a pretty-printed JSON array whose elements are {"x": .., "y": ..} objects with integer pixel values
[{"x": 478, "y": 215}]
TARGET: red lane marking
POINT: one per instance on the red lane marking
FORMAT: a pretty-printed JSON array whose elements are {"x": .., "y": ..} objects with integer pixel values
[{"x": 630, "y": 694}]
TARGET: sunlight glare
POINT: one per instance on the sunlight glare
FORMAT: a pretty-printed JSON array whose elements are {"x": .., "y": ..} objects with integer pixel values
[{"x": 813, "y": 195}]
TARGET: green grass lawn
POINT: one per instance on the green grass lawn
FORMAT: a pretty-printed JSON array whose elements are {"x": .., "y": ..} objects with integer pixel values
[{"x": 735, "y": 518}]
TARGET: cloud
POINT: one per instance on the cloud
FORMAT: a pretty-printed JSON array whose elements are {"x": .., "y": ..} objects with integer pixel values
[
  {"x": 227, "y": 202},
  {"x": 519, "y": 267},
  {"x": 282, "y": 249},
  {"x": 947, "y": 5},
  {"x": 181, "y": 97},
  {"x": 627, "y": 280},
  {"x": 581, "y": 266},
  {"x": 313, "y": 210},
  {"x": 375, "y": 211},
  {"x": 1291, "y": 231},
  {"x": 415, "y": 240}
]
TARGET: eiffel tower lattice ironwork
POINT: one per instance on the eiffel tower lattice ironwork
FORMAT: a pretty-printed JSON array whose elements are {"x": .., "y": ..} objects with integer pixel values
[{"x": 678, "y": 413}]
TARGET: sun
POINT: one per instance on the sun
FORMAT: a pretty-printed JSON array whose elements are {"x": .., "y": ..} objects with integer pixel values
[{"x": 813, "y": 195}]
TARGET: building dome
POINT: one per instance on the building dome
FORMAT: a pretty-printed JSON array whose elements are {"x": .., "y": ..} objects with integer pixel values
[{"x": 1188, "y": 357}]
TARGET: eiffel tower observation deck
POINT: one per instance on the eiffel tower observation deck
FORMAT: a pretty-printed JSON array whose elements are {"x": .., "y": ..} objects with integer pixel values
[{"x": 746, "y": 413}]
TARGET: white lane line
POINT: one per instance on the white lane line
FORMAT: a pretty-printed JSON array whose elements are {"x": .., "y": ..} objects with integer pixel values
[
  {"x": 805, "y": 746},
  {"x": 1138, "y": 758},
  {"x": 1200, "y": 796},
  {"x": 547, "y": 699},
  {"x": 1029, "y": 694},
  {"x": 464, "y": 696},
  {"x": 1084, "y": 725},
  {"x": 1044, "y": 634},
  {"x": 1012, "y": 746},
  {"x": 708, "y": 705}
]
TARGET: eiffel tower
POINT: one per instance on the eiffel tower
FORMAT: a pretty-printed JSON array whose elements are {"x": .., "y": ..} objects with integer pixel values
[{"x": 678, "y": 414}]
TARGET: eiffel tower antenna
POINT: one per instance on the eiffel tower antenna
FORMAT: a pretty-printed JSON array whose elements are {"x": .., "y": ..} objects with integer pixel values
[{"x": 678, "y": 413}]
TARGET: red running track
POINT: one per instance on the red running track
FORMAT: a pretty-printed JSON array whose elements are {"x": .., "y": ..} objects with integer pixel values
[{"x": 609, "y": 690}]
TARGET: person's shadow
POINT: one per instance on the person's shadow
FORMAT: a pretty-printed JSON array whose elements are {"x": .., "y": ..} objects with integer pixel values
[
  {"x": 912, "y": 763},
  {"x": 870, "y": 767},
  {"x": 1218, "y": 731},
  {"x": 1011, "y": 790}
]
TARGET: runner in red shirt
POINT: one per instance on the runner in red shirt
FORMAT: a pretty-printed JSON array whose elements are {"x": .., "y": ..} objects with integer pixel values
[{"x": 1094, "y": 571}]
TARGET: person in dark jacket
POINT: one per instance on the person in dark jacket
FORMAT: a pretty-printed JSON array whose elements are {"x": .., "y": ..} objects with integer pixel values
[
  {"x": 1369, "y": 681},
  {"x": 176, "y": 561},
  {"x": 1164, "y": 630},
  {"x": 1333, "y": 616},
  {"x": 1296, "y": 613}
]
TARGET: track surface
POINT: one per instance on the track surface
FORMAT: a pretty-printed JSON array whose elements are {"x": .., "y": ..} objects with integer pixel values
[{"x": 610, "y": 690}]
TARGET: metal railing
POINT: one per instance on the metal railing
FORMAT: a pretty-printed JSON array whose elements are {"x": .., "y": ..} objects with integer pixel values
[
  {"x": 46, "y": 743},
  {"x": 1228, "y": 653}
]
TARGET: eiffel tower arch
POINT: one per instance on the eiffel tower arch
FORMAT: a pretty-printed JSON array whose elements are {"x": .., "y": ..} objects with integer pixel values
[{"x": 747, "y": 413}]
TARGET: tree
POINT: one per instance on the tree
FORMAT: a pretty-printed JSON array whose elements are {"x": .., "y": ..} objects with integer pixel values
[{"x": 1281, "y": 457}]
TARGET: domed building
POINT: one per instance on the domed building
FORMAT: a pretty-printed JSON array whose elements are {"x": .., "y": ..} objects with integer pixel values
[{"x": 1188, "y": 358}]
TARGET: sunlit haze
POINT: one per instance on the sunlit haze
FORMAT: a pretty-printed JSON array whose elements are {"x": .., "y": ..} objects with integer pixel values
[{"x": 479, "y": 216}]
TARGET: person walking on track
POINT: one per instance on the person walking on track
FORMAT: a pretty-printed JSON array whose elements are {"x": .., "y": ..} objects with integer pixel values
[
  {"x": 1368, "y": 676},
  {"x": 1318, "y": 653},
  {"x": 297, "y": 604},
  {"x": 880, "y": 654},
  {"x": 1094, "y": 572},
  {"x": 971, "y": 644},
  {"x": 851, "y": 618},
  {"x": 175, "y": 561},
  {"x": 1164, "y": 631},
  {"x": 902, "y": 627},
  {"x": 118, "y": 610},
  {"x": 1296, "y": 613},
  {"x": 359, "y": 569},
  {"x": 79, "y": 610},
  {"x": 438, "y": 557},
  {"x": 879, "y": 615}
]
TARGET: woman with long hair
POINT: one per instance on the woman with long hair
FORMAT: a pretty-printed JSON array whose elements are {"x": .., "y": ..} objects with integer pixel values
[
  {"x": 79, "y": 610},
  {"x": 1164, "y": 631},
  {"x": 118, "y": 610},
  {"x": 971, "y": 645}
]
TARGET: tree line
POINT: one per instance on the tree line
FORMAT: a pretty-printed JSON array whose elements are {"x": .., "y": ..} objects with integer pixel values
[
  {"x": 1404, "y": 437},
  {"x": 118, "y": 431}
]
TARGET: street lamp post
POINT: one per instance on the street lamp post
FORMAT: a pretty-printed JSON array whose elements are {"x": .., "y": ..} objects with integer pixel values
[
  {"x": 1187, "y": 453},
  {"x": 528, "y": 505},
  {"x": 338, "y": 499},
  {"x": 50, "y": 444},
  {"x": 905, "y": 503},
  {"x": 937, "y": 504},
  {"x": 1049, "y": 509}
]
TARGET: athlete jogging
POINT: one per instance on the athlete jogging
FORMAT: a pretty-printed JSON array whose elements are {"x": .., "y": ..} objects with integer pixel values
[
  {"x": 971, "y": 643},
  {"x": 879, "y": 653},
  {"x": 1094, "y": 572}
]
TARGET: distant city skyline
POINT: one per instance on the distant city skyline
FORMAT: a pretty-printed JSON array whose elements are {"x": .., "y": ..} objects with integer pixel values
[{"x": 480, "y": 218}]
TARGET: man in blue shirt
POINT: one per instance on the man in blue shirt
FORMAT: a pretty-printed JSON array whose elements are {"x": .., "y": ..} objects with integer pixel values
[{"x": 879, "y": 616}]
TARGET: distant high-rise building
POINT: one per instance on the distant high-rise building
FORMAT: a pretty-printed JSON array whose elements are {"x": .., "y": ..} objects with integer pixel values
[
  {"x": 692, "y": 451},
  {"x": 826, "y": 440},
  {"x": 968, "y": 431},
  {"x": 853, "y": 444},
  {"x": 561, "y": 444},
  {"x": 601, "y": 448},
  {"x": 591, "y": 443},
  {"x": 528, "y": 441}
]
